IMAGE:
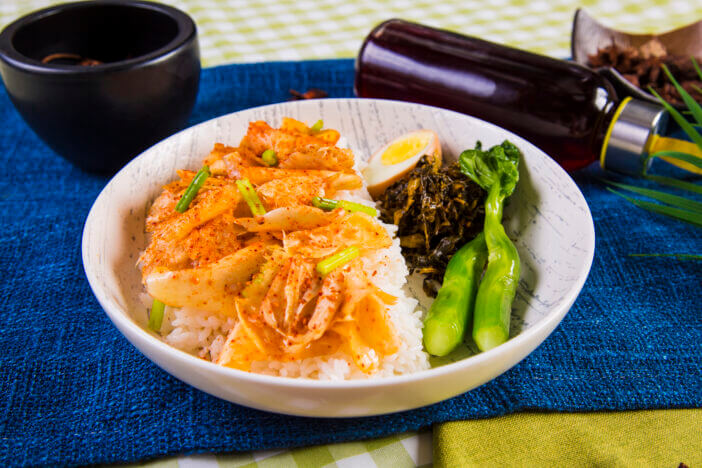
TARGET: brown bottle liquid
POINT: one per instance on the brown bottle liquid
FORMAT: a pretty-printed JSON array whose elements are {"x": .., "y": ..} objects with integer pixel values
[{"x": 561, "y": 107}]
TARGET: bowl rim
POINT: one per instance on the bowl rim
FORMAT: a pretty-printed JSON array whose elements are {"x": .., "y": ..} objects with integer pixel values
[
  {"x": 511, "y": 347},
  {"x": 186, "y": 33}
]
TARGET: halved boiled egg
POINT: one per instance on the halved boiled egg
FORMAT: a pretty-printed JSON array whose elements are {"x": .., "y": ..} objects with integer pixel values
[{"x": 398, "y": 157}]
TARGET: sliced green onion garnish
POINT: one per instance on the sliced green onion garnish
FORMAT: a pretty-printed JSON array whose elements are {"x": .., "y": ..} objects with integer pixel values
[
  {"x": 250, "y": 197},
  {"x": 330, "y": 264},
  {"x": 324, "y": 203},
  {"x": 193, "y": 188},
  {"x": 329, "y": 204},
  {"x": 317, "y": 126},
  {"x": 270, "y": 157},
  {"x": 156, "y": 315}
]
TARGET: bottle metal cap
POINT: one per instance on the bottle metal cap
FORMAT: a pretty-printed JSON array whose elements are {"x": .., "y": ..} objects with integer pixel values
[{"x": 628, "y": 137}]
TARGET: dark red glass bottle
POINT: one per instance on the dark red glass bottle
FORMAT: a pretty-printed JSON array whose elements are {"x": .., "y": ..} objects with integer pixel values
[{"x": 561, "y": 107}]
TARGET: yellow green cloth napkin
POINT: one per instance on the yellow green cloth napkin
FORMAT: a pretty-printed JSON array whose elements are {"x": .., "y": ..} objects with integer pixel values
[{"x": 655, "y": 438}]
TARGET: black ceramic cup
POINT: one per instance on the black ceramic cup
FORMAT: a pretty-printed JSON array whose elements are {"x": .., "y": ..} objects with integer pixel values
[{"x": 99, "y": 117}]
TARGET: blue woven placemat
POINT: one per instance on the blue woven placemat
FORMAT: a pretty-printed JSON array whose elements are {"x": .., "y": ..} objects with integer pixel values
[{"x": 74, "y": 391}]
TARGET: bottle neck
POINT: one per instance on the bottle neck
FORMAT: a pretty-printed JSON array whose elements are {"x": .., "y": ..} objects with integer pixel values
[
  {"x": 628, "y": 136},
  {"x": 610, "y": 128}
]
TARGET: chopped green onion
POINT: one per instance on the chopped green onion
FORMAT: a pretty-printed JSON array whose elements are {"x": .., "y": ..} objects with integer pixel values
[
  {"x": 330, "y": 264},
  {"x": 156, "y": 315},
  {"x": 317, "y": 126},
  {"x": 270, "y": 157},
  {"x": 193, "y": 188},
  {"x": 329, "y": 204},
  {"x": 250, "y": 197},
  {"x": 324, "y": 203}
]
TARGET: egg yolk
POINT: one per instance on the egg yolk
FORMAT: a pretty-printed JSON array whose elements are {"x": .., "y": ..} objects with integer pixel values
[{"x": 404, "y": 149}]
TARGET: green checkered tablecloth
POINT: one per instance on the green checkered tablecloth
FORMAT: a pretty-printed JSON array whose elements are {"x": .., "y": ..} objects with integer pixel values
[
  {"x": 262, "y": 30},
  {"x": 400, "y": 451}
]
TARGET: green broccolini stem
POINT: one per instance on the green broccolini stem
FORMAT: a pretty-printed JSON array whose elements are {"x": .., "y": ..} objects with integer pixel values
[
  {"x": 493, "y": 303},
  {"x": 445, "y": 324},
  {"x": 194, "y": 187},
  {"x": 496, "y": 171}
]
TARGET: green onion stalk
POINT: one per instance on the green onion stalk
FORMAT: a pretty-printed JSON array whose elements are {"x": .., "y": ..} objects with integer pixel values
[
  {"x": 194, "y": 187},
  {"x": 156, "y": 315},
  {"x": 317, "y": 127},
  {"x": 270, "y": 158},
  {"x": 248, "y": 193},
  {"x": 497, "y": 172},
  {"x": 337, "y": 260},
  {"x": 329, "y": 204}
]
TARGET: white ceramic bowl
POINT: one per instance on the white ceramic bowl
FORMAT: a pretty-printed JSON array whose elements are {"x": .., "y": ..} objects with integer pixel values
[{"x": 547, "y": 217}]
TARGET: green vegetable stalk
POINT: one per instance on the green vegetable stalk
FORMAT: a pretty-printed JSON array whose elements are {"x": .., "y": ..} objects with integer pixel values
[
  {"x": 270, "y": 157},
  {"x": 330, "y": 264},
  {"x": 328, "y": 204},
  {"x": 497, "y": 172},
  {"x": 156, "y": 315},
  {"x": 445, "y": 324},
  {"x": 317, "y": 127},
  {"x": 194, "y": 187},
  {"x": 248, "y": 193}
]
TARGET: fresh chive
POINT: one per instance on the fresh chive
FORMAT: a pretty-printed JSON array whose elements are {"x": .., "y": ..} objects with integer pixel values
[
  {"x": 156, "y": 315},
  {"x": 329, "y": 204},
  {"x": 317, "y": 126},
  {"x": 675, "y": 183},
  {"x": 676, "y": 213},
  {"x": 674, "y": 200},
  {"x": 270, "y": 157},
  {"x": 680, "y": 119},
  {"x": 328, "y": 265},
  {"x": 687, "y": 157},
  {"x": 250, "y": 197},
  {"x": 678, "y": 256},
  {"x": 689, "y": 100},
  {"x": 194, "y": 187}
]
